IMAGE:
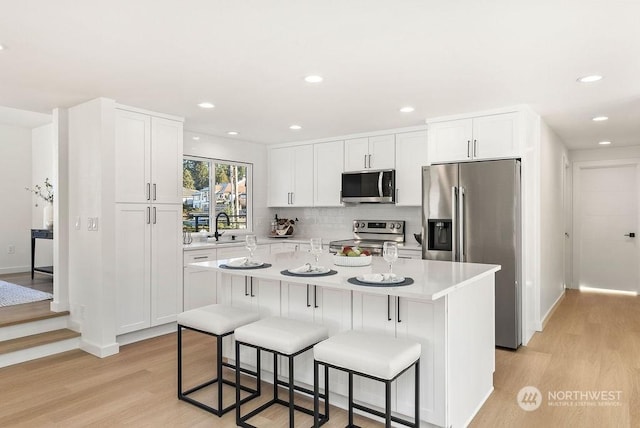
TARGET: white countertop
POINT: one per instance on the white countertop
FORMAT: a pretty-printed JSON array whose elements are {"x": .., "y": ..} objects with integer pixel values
[
  {"x": 432, "y": 279},
  {"x": 239, "y": 242}
]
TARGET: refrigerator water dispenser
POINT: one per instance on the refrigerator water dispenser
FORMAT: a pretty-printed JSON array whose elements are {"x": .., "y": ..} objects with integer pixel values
[{"x": 440, "y": 235}]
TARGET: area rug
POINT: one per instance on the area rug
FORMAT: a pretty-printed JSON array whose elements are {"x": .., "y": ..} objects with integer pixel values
[{"x": 12, "y": 294}]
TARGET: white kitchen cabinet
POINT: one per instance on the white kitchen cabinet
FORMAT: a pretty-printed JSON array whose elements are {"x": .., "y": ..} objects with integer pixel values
[
  {"x": 199, "y": 284},
  {"x": 328, "y": 167},
  {"x": 261, "y": 252},
  {"x": 413, "y": 319},
  {"x": 370, "y": 153},
  {"x": 252, "y": 294},
  {"x": 148, "y": 158},
  {"x": 290, "y": 176},
  {"x": 328, "y": 307},
  {"x": 411, "y": 156},
  {"x": 476, "y": 138},
  {"x": 148, "y": 265}
]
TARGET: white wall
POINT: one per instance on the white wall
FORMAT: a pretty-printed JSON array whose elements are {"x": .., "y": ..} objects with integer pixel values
[
  {"x": 553, "y": 156},
  {"x": 90, "y": 192},
  {"x": 605, "y": 153},
  {"x": 42, "y": 156},
  {"x": 16, "y": 202}
]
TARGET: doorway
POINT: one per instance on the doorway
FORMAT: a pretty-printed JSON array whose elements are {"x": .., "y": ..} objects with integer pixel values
[{"x": 606, "y": 252}]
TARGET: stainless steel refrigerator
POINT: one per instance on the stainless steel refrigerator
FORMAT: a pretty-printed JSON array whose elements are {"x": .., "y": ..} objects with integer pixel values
[{"x": 471, "y": 213}]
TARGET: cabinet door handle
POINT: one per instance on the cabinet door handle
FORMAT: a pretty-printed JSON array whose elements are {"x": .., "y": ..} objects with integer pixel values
[
  {"x": 369, "y": 161},
  {"x": 315, "y": 297},
  {"x": 148, "y": 215},
  {"x": 388, "y": 307},
  {"x": 246, "y": 290},
  {"x": 365, "y": 161},
  {"x": 475, "y": 148},
  {"x": 148, "y": 192},
  {"x": 308, "y": 304},
  {"x": 155, "y": 216},
  {"x": 251, "y": 279},
  {"x": 154, "y": 191},
  {"x": 398, "y": 309},
  {"x": 200, "y": 257},
  {"x": 468, "y": 148},
  {"x": 291, "y": 198}
]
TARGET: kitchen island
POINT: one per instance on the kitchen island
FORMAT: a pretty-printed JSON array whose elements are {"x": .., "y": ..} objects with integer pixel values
[{"x": 449, "y": 309}]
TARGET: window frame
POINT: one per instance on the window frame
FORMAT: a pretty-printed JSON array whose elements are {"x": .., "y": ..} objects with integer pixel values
[{"x": 212, "y": 184}]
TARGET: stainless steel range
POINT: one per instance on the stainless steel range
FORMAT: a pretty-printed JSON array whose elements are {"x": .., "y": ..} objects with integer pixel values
[{"x": 371, "y": 234}]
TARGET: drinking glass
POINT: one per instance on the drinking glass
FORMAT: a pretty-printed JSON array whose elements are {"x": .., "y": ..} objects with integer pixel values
[
  {"x": 316, "y": 248},
  {"x": 251, "y": 244},
  {"x": 390, "y": 253}
]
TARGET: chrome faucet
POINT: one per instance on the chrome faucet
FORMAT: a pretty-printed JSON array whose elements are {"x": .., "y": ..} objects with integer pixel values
[{"x": 216, "y": 234}]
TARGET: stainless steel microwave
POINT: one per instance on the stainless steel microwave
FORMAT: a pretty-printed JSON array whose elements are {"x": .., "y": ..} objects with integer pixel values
[{"x": 369, "y": 186}]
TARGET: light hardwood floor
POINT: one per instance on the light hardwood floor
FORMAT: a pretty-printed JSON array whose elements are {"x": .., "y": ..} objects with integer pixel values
[{"x": 592, "y": 342}]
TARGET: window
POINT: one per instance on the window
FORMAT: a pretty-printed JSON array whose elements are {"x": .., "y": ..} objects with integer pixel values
[{"x": 212, "y": 187}]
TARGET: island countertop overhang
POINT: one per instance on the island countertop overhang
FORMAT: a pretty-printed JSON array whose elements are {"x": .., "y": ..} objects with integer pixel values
[{"x": 432, "y": 279}]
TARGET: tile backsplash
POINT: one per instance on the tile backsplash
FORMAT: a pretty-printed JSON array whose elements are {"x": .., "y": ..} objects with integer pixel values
[{"x": 336, "y": 223}]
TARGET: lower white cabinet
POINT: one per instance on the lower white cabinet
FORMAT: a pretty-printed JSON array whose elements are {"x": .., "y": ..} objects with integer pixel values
[
  {"x": 200, "y": 285},
  {"x": 148, "y": 265},
  {"x": 328, "y": 307},
  {"x": 420, "y": 321},
  {"x": 404, "y": 253}
]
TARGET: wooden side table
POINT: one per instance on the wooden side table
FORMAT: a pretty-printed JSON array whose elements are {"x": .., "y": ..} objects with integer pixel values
[{"x": 39, "y": 234}]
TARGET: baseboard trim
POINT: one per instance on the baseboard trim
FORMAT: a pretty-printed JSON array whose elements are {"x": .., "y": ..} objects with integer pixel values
[
  {"x": 147, "y": 333},
  {"x": 552, "y": 310},
  {"x": 99, "y": 351},
  {"x": 15, "y": 269}
]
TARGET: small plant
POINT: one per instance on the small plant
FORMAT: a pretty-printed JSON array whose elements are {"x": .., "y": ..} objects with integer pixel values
[{"x": 46, "y": 192}]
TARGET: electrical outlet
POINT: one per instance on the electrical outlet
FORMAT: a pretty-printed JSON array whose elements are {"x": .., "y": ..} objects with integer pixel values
[
  {"x": 11, "y": 249},
  {"x": 89, "y": 223},
  {"x": 77, "y": 224},
  {"x": 95, "y": 223}
]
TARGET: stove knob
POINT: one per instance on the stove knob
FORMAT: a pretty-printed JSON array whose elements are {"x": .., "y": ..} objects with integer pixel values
[
  {"x": 361, "y": 224},
  {"x": 398, "y": 225}
]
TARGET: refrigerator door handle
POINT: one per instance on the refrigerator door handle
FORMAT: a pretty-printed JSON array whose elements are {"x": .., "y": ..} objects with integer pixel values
[
  {"x": 461, "y": 225},
  {"x": 454, "y": 223}
]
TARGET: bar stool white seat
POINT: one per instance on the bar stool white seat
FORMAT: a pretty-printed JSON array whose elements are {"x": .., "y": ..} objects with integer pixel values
[
  {"x": 282, "y": 337},
  {"x": 372, "y": 355},
  {"x": 218, "y": 321}
]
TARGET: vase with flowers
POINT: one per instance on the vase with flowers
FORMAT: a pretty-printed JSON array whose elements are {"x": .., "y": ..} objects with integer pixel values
[{"x": 46, "y": 194}]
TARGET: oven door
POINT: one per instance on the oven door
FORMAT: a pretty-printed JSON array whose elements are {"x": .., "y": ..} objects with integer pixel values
[{"x": 369, "y": 187}]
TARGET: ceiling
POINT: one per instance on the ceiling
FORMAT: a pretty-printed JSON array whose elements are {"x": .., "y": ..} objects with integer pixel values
[{"x": 250, "y": 57}]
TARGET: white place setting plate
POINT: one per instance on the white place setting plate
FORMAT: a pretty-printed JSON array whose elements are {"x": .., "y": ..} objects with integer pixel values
[
  {"x": 379, "y": 278},
  {"x": 243, "y": 263},
  {"x": 313, "y": 270}
]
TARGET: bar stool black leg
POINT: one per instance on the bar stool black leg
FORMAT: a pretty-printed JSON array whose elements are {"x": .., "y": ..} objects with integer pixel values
[
  {"x": 326, "y": 392},
  {"x": 219, "y": 371},
  {"x": 350, "y": 399},
  {"x": 275, "y": 377},
  {"x": 316, "y": 392},
  {"x": 291, "y": 404},
  {"x": 179, "y": 361},
  {"x": 417, "y": 404},
  {"x": 238, "y": 404},
  {"x": 387, "y": 409}
]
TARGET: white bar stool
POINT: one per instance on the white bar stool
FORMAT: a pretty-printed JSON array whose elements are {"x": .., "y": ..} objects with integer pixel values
[
  {"x": 282, "y": 337},
  {"x": 372, "y": 355},
  {"x": 218, "y": 321}
]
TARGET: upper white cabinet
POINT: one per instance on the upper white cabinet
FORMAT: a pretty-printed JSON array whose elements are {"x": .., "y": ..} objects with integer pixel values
[
  {"x": 370, "y": 153},
  {"x": 483, "y": 137},
  {"x": 328, "y": 160},
  {"x": 148, "y": 158},
  {"x": 411, "y": 156},
  {"x": 291, "y": 176}
]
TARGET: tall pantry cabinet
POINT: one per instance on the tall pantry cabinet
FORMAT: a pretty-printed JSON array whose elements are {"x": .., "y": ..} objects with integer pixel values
[{"x": 148, "y": 216}]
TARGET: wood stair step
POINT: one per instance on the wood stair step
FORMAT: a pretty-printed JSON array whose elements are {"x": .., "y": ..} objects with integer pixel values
[
  {"x": 34, "y": 340},
  {"x": 20, "y": 314}
]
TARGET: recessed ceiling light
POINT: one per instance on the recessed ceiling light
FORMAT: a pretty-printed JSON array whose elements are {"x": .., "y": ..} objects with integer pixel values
[
  {"x": 1, "y": 47},
  {"x": 604, "y": 143},
  {"x": 295, "y": 127},
  {"x": 314, "y": 78},
  {"x": 590, "y": 79},
  {"x": 232, "y": 133},
  {"x": 196, "y": 138},
  {"x": 600, "y": 118},
  {"x": 407, "y": 109},
  {"x": 206, "y": 105}
]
